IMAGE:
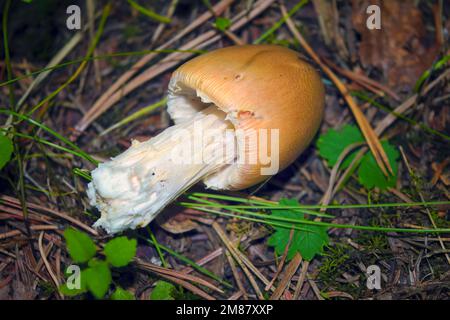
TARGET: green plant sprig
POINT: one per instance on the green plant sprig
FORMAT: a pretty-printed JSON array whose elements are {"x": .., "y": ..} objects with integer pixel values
[
  {"x": 268, "y": 219},
  {"x": 350, "y": 206},
  {"x": 96, "y": 276},
  {"x": 76, "y": 150}
]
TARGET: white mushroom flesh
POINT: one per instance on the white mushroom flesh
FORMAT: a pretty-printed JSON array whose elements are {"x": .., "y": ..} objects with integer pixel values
[{"x": 132, "y": 188}]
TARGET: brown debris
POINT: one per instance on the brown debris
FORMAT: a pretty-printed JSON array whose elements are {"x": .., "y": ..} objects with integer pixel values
[{"x": 399, "y": 49}]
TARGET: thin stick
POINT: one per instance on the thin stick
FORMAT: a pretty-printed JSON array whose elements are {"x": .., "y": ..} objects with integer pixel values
[
  {"x": 283, "y": 259},
  {"x": 236, "y": 275},
  {"x": 290, "y": 271},
  {"x": 236, "y": 256},
  {"x": 47, "y": 264}
]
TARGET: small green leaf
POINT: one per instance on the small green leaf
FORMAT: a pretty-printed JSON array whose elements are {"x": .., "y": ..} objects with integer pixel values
[
  {"x": 6, "y": 150},
  {"x": 121, "y": 294},
  {"x": 369, "y": 173},
  {"x": 81, "y": 248},
  {"x": 334, "y": 142},
  {"x": 222, "y": 24},
  {"x": 70, "y": 292},
  {"x": 98, "y": 278},
  {"x": 120, "y": 251},
  {"x": 72, "y": 282},
  {"x": 163, "y": 291},
  {"x": 307, "y": 243}
]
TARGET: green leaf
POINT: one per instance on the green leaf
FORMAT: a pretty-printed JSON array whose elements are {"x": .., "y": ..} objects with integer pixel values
[
  {"x": 98, "y": 278},
  {"x": 307, "y": 243},
  {"x": 222, "y": 24},
  {"x": 163, "y": 291},
  {"x": 81, "y": 248},
  {"x": 121, "y": 294},
  {"x": 73, "y": 290},
  {"x": 369, "y": 173},
  {"x": 333, "y": 143},
  {"x": 120, "y": 251},
  {"x": 6, "y": 150}
]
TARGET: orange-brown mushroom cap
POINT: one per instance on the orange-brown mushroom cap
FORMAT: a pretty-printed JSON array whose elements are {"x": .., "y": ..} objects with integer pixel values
[{"x": 259, "y": 87}]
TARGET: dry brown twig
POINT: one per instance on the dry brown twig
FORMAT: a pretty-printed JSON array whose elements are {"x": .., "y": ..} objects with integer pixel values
[
  {"x": 236, "y": 276},
  {"x": 283, "y": 259},
  {"x": 47, "y": 264},
  {"x": 179, "y": 275},
  {"x": 292, "y": 267},
  {"x": 235, "y": 253}
]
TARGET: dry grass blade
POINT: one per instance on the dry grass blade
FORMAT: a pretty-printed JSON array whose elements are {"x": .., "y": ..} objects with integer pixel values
[
  {"x": 177, "y": 274},
  {"x": 90, "y": 5},
  {"x": 64, "y": 216},
  {"x": 371, "y": 137},
  {"x": 190, "y": 287},
  {"x": 71, "y": 44},
  {"x": 161, "y": 26},
  {"x": 236, "y": 276},
  {"x": 301, "y": 280},
  {"x": 283, "y": 259},
  {"x": 365, "y": 81},
  {"x": 290, "y": 271},
  {"x": 236, "y": 256},
  {"x": 208, "y": 258},
  {"x": 15, "y": 233},
  {"x": 47, "y": 264}
]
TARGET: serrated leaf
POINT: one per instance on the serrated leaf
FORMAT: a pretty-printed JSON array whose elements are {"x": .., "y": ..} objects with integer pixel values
[
  {"x": 6, "y": 150},
  {"x": 98, "y": 278},
  {"x": 120, "y": 251},
  {"x": 121, "y": 294},
  {"x": 163, "y": 291},
  {"x": 80, "y": 246},
  {"x": 369, "y": 173},
  {"x": 333, "y": 143},
  {"x": 307, "y": 243},
  {"x": 222, "y": 24}
]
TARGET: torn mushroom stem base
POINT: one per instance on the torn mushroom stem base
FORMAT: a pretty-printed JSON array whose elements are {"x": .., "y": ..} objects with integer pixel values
[{"x": 132, "y": 188}]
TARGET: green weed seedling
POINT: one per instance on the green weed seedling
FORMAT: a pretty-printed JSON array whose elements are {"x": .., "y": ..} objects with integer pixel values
[{"x": 95, "y": 269}]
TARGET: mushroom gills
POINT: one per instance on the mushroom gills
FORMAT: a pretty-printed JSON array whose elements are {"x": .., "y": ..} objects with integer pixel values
[{"x": 132, "y": 188}]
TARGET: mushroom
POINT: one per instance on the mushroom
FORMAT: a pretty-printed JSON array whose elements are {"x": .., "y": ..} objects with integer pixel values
[{"x": 241, "y": 114}]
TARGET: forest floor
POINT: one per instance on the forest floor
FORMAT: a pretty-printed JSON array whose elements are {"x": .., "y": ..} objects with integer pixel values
[{"x": 65, "y": 99}]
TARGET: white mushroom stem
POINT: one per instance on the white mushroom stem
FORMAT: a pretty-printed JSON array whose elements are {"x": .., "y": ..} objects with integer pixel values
[{"x": 132, "y": 188}]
